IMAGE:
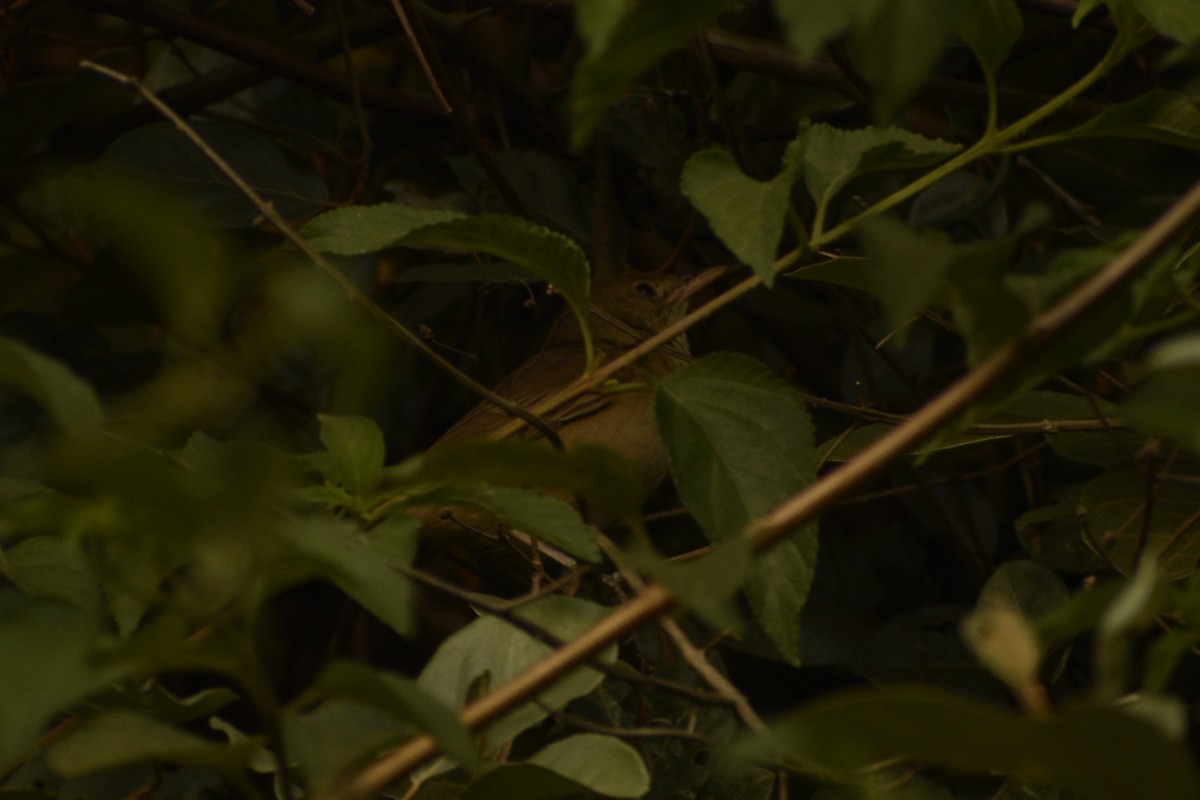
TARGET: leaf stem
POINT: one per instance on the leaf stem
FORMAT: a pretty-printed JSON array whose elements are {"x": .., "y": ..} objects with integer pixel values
[{"x": 992, "y": 141}]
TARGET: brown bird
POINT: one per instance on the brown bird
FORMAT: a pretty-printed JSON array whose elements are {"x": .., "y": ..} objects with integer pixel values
[{"x": 626, "y": 309}]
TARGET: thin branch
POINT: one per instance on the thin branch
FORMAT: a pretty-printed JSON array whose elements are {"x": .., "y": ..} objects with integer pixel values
[
  {"x": 419, "y": 52},
  {"x": 268, "y": 211},
  {"x": 655, "y": 600},
  {"x": 275, "y": 60}
]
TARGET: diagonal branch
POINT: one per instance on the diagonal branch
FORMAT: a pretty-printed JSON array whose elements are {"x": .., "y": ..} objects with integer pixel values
[{"x": 655, "y": 600}]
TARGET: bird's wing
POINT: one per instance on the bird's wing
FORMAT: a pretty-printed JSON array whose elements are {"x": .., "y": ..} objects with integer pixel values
[{"x": 527, "y": 385}]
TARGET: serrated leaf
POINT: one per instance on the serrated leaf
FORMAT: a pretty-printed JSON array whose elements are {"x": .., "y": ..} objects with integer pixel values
[
  {"x": 1159, "y": 115},
  {"x": 496, "y": 651},
  {"x": 1100, "y": 751},
  {"x": 740, "y": 443},
  {"x": 117, "y": 738},
  {"x": 68, "y": 401},
  {"x": 623, "y": 41},
  {"x": 354, "y": 451},
  {"x": 746, "y": 214},
  {"x": 990, "y": 28},
  {"x": 541, "y": 516},
  {"x": 355, "y": 230},
  {"x": 547, "y": 254},
  {"x": 832, "y": 157}
]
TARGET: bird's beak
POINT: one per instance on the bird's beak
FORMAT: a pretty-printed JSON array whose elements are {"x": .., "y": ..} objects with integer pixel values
[{"x": 694, "y": 285}]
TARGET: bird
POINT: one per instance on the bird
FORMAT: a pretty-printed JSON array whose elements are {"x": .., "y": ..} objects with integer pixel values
[{"x": 625, "y": 309}]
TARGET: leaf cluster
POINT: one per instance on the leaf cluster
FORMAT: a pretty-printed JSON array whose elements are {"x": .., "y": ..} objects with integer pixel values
[{"x": 255, "y": 257}]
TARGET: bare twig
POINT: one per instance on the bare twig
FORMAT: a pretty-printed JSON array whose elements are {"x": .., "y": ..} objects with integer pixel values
[{"x": 356, "y": 294}]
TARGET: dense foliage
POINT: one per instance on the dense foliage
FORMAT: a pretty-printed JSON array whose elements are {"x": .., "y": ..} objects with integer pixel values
[{"x": 934, "y": 519}]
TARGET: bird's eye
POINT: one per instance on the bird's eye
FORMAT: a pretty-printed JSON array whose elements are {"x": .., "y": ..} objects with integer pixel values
[{"x": 646, "y": 289}]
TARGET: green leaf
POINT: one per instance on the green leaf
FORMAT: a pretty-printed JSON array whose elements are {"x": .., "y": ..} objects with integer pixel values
[
  {"x": 493, "y": 651},
  {"x": 740, "y": 443},
  {"x": 899, "y": 45},
  {"x": 809, "y": 24},
  {"x": 334, "y": 551},
  {"x": 1102, "y": 752},
  {"x": 624, "y": 40},
  {"x": 52, "y": 567},
  {"x": 833, "y": 157},
  {"x": 913, "y": 269},
  {"x": 543, "y": 517},
  {"x": 1164, "y": 403},
  {"x": 545, "y": 253},
  {"x": 524, "y": 780},
  {"x": 591, "y": 471},
  {"x": 159, "y": 152},
  {"x": 1118, "y": 518},
  {"x": 67, "y": 400},
  {"x": 602, "y": 764},
  {"x": 1179, "y": 19},
  {"x": 117, "y": 738},
  {"x": 1159, "y": 115},
  {"x": 400, "y": 697},
  {"x": 706, "y": 586},
  {"x": 354, "y": 452},
  {"x": 746, "y": 214},
  {"x": 355, "y": 230},
  {"x": 990, "y": 28},
  {"x": 329, "y": 740},
  {"x": 55, "y": 669}
]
